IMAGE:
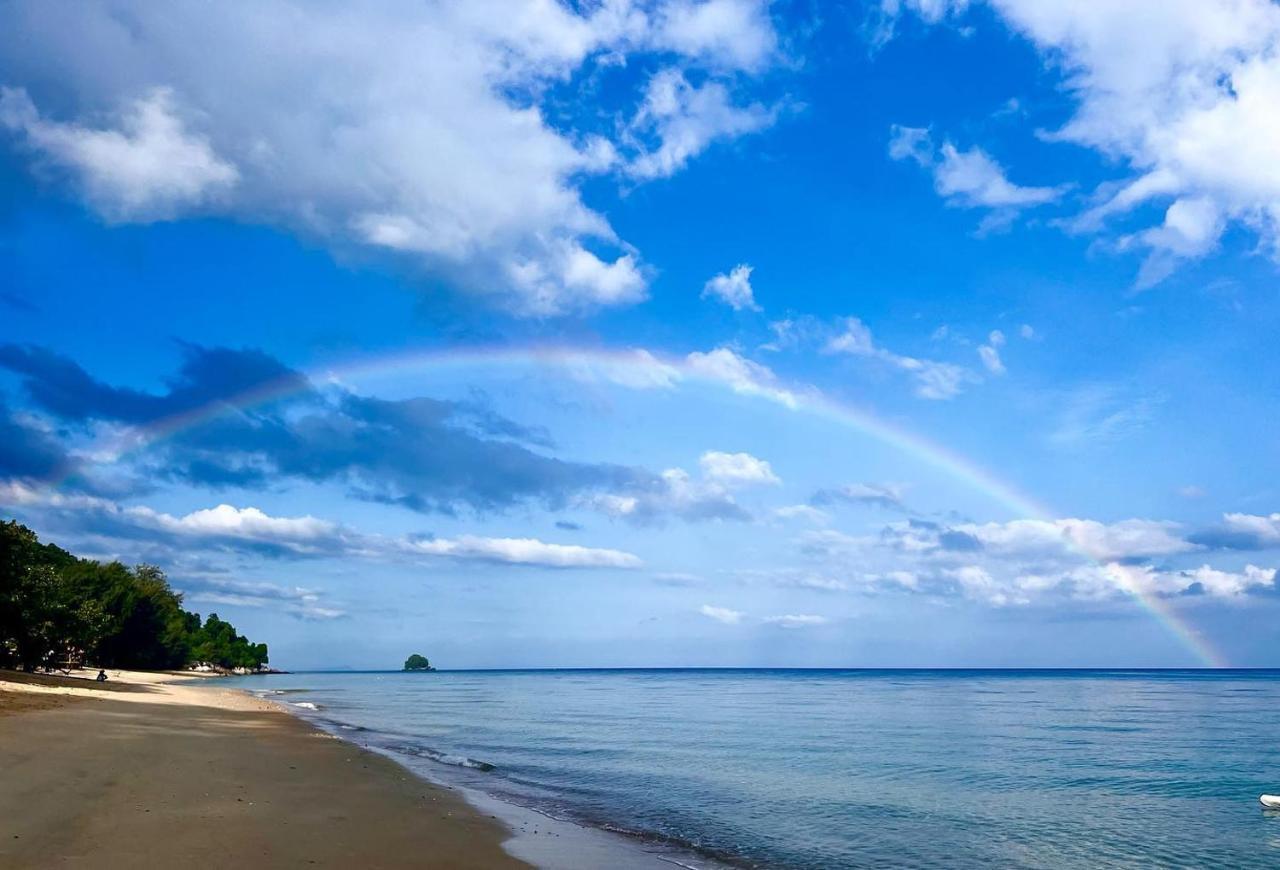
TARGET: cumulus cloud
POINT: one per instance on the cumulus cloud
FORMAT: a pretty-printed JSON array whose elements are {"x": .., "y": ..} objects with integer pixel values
[
  {"x": 147, "y": 167},
  {"x": 741, "y": 375},
  {"x": 970, "y": 179},
  {"x": 934, "y": 380},
  {"x": 1025, "y": 562},
  {"x": 249, "y": 529},
  {"x": 640, "y": 369},
  {"x": 736, "y": 469},
  {"x": 223, "y": 527},
  {"x": 721, "y": 614},
  {"x": 682, "y": 120},
  {"x": 1044, "y": 539},
  {"x": 732, "y": 33},
  {"x": 733, "y": 289},
  {"x": 433, "y": 148},
  {"x": 1202, "y": 580},
  {"x": 679, "y": 494},
  {"x": 1181, "y": 95},
  {"x": 1239, "y": 531}
]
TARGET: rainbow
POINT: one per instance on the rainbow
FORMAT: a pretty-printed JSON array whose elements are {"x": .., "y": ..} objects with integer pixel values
[{"x": 638, "y": 368}]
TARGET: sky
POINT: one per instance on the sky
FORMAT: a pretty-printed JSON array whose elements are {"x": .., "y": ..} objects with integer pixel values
[{"x": 526, "y": 333}]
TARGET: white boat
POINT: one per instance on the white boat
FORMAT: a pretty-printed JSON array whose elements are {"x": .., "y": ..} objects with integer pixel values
[{"x": 1270, "y": 801}]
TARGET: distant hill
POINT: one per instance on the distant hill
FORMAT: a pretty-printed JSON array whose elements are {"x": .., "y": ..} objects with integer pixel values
[{"x": 416, "y": 662}]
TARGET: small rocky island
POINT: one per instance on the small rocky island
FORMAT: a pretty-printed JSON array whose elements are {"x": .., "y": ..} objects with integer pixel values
[{"x": 416, "y": 662}]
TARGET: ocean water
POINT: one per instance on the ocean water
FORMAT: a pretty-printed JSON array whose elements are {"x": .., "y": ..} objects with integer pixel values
[{"x": 802, "y": 768}]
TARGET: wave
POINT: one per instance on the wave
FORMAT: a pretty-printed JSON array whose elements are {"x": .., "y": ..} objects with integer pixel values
[
  {"x": 444, "y": 757},
  {"x": 306, "y": 705}
]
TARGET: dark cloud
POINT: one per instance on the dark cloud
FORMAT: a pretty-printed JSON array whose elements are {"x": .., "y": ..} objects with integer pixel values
[
  {"x": 425, "y": 454},
  {"x": 28, "y": 453},
  {"x": 567, "y": 526},
  {"x": 208, "y": 376}
]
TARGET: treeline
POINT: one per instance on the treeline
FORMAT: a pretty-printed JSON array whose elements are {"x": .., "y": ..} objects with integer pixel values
[{"x": 56, "y": 608}]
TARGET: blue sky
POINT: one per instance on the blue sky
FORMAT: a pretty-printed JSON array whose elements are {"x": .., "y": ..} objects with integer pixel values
[{"x": 910, "y": 333}]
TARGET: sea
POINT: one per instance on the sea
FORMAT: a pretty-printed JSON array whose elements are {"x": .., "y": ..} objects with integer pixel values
[{"x": 844, "y": 768}]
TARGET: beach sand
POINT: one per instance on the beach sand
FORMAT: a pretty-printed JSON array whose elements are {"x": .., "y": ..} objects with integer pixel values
[{"x": 140, "y": 772}]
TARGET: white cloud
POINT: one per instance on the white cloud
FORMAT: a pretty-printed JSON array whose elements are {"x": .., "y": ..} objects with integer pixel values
[
  {"x": 736, "y": 469},
  {"x": 677, "y": 493},
  {"x": 431, "y": 147},
  {"x": 522, "y": 551},
  {"x": 733, "y": 289},
  {"x": 741, "y": 375},
  {"x": 1027, "y": 331},
  {"x": 683, "y": 120},
  {"x": 250, "y": 528},
  {"x": 635, "y": 369},
  {"x": 934, "y": 380},
  {"x": 148, "y": 166},
  {"x": 798, "y": 620},
  {"x": 1211, "y": 581},
  {"x": 1023, "y": 562},
  {"x": 1127, "y": 539},
  {"x": 971, "y": 179},
  {"x": 804, "y": 512},
  {"x": 1182, "y": 94},
  {"x": 721, "y": 614},
  {"x": 295, "y": 600},
  {"x": 989, "y": 353},
  {"x": 249, "y": 523},
  {"x": 1263, "y": 530},
  {"x": 736, "y": 33}
]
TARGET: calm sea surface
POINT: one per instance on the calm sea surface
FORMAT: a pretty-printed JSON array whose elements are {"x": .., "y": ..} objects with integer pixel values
[{"x": 793, "y": 768}]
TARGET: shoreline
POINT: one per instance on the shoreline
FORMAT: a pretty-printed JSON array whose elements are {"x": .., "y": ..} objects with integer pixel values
[
  {"x": 543, "y": 840},
  {"x": 143, "y": 769}
]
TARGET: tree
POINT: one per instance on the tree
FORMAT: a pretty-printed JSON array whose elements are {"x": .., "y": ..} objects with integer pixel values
[
  {"x": 416, "y": 662},
  {"x": 55, "y": 607}
]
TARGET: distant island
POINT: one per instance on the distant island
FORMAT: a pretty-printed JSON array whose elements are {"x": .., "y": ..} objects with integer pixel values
[{"x": 416, "y": 662}]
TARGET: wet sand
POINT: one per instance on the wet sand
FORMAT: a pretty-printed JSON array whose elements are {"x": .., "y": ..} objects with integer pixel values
[{"x": 139, "y": 772}]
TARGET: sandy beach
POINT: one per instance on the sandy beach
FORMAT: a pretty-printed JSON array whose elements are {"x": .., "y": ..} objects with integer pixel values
[{"x": 140, "y": 771}]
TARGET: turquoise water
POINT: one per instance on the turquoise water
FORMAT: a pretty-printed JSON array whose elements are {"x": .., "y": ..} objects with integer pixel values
[{"x": 793, "y": 768}]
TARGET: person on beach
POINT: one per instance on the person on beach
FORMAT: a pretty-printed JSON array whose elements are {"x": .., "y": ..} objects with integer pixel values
[{"x": 102, "y": 676}]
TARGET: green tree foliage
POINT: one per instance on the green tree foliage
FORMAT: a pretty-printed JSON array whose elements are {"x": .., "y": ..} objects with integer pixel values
[
  {"x": 55, "y": 607},
  {"x": 416, "y": 662}
]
